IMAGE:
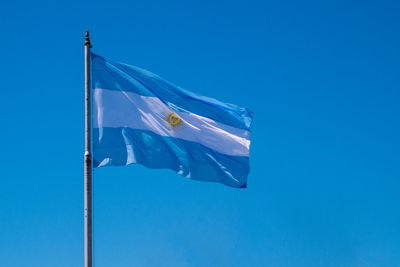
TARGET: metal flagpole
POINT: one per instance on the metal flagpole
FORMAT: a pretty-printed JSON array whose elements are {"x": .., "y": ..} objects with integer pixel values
[{"x": 88, "y": 160}]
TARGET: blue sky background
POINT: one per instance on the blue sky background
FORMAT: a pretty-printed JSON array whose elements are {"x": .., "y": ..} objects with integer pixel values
[{"x": 322, "y": 78}]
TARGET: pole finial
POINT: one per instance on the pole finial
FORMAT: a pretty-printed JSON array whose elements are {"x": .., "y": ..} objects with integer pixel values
[{"x": 87, "y": 40}]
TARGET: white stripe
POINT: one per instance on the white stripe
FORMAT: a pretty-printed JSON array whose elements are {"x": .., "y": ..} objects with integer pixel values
[{"x": 127, "y": 109}]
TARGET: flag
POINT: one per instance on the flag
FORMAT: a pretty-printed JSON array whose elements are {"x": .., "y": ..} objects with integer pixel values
[{"x": 138, "y": 117}]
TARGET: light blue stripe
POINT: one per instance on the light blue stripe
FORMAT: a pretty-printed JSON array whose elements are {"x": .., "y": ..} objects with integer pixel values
[
  {"x": 122, "y": 146},
  {"x": 121, "y": 77}
]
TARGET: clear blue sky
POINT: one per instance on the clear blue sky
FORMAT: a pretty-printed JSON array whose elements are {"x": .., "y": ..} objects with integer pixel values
[{"x": 322, "y": 78}]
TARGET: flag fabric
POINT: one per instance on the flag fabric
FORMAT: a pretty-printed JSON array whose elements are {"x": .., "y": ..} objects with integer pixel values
[{"x": 138, "y": 117}]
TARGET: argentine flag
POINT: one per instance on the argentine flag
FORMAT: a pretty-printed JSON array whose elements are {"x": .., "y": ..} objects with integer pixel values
[{"x": 138, "y": 117}]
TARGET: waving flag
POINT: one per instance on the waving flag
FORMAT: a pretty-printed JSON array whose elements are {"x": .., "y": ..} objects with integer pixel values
[{"x": 138, "y": 117}]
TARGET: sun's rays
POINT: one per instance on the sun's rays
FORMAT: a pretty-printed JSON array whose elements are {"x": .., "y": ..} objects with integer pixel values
[{"x": 172, "y": 120}]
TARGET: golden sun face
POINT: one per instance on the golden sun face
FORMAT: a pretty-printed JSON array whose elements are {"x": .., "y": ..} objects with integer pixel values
[{"x": 174, "y": 119}]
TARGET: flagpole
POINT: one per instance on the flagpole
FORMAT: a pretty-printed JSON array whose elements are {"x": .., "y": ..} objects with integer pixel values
[{"x": 88, "y": 160}]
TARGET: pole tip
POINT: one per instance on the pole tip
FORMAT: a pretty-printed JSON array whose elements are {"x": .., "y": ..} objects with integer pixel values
[{"x": 87, "y": 40}]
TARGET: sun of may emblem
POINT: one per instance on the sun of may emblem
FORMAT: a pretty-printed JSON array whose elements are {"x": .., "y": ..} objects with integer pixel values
[{"x": 174, "y": 119}]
